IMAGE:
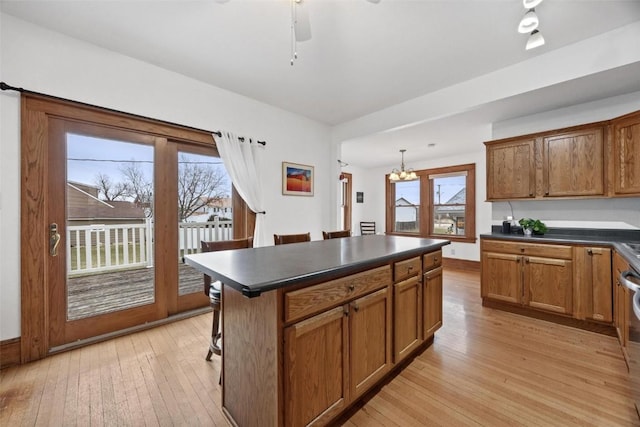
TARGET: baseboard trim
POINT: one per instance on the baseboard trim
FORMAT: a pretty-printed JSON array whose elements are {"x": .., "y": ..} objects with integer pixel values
[
  {"x": 461, "y": 264},
  {"x": 10, "y": 352}
]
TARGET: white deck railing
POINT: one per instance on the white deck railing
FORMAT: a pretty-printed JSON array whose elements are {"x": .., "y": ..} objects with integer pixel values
[{"x": 100, "y": 248}]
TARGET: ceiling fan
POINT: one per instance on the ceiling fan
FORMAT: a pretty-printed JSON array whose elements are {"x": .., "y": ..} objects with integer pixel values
[{"x": 300, "y": 25}]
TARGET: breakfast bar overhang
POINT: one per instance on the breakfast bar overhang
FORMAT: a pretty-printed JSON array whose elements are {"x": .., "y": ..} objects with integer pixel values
[{"x": 308, "y": 328}]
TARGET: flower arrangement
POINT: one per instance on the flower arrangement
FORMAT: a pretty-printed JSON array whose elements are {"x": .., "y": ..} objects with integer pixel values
[{"x": 535, "y": 225}]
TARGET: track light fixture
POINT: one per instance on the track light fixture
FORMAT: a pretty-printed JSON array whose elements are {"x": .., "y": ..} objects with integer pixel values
[
  {"x": 535, "y": 40},
  {"x": 529, "y": 24}
]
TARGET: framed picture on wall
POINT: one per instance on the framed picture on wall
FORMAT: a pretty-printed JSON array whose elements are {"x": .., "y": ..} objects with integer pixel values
[{"x": 297, "y": 180}]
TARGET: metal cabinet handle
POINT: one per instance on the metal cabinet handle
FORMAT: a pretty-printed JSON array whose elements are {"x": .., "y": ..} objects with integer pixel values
[
  {"x": 590, "y": 251},
  {"x": 352, "y": 288},
  {"x": 54, "y": 239}
]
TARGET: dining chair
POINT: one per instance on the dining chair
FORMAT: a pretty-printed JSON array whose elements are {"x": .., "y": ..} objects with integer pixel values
[
  {"x": 326, "y": 235},
  {"x": 214, "y": 290},
  {"x": 282, "y": 239},
  {"x": 367, "y": 227}
]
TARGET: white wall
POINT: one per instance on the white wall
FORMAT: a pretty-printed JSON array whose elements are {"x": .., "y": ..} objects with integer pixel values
[
  {"x": 623, "y": 213},
  {"x": 47, "y": 62}
]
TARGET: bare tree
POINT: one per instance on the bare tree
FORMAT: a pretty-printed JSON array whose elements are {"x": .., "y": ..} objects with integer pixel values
[
  {"x": 109, "y": 190},
  {"x": 139, "y": 187},
  {"x": 198, "y": 186}
]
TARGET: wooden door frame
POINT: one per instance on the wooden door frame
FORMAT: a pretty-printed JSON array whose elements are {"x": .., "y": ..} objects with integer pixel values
[
  {"x": 36, "y": 112},
  {"x": 347, "y": 212}
]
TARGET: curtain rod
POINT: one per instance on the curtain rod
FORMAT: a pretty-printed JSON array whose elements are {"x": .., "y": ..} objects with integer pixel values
[
  {"x": 241, "y": 138},
  {"x": 4, "y": 86}
]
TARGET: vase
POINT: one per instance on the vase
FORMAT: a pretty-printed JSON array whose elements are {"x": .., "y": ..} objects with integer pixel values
[{"x": 527, "y": 232}]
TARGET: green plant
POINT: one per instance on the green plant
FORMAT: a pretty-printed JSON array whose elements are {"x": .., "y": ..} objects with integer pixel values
[{"x": 535, "y": 225}]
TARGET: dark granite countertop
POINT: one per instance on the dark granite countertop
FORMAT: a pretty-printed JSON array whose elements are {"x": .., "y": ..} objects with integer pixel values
[
  {"x": 253, "y": 271},
  {"x": 579, "y": 236}
]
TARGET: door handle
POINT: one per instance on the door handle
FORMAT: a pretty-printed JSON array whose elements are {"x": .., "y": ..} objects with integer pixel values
[{"x": 54, "y": 239}]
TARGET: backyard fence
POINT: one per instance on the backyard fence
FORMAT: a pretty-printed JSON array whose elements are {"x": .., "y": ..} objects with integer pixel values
[{"x": 105, "y": 247}]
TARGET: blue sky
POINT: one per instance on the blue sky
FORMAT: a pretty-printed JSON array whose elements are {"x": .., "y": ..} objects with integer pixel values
[
  {"x": 449, "y": 187},
  {"x": 88, "y": 156}
]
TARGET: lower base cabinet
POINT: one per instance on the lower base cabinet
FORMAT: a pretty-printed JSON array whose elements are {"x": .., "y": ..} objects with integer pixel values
[
  {"x": 569, "y": 280},
  {"x": 530, "y": 275},
  {"x": 432, "y": 302},
  {"x": 316, "y": 368},
  {"x": 312, "y": 351}
]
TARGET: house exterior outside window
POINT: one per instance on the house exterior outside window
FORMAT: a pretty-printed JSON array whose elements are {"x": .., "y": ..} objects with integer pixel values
[{"x": 439, "y": 204}]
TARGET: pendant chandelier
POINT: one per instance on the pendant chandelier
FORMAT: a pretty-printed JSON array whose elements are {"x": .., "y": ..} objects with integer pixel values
[{"x": 402, "y": 174}]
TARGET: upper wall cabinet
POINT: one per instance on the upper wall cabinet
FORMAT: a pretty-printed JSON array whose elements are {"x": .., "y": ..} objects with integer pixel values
[
  {"x": 592, "y": 160},
  {"x": 564, "y": 163},
  {"x": 626, "y": 155},
  {"x": 511, "y": 169},
  {"x": 573, "y": 164}
]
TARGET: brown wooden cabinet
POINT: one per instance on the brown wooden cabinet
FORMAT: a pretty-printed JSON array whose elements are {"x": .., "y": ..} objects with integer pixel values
[
  {"x": 538, "y": 276},
  {"x": 593, "y": 160},
  {"x": 511, "y": 169},
  {"x": 407, "y": 307},
  {"x": 593, "y": 283},
  {"x": 626, "y": 155},
  {"x": 316, "y": 355},
  {"x": 369, "y": 340},
  {"x": 573, "y": 163},
  {"x": 432, "y": 302},
  {"x": 335, "y": 356}
]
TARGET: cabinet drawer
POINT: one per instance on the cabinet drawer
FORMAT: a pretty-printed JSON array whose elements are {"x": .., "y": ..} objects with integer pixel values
[
  {"x": 533, "y": 249},
  {"x": 432, "y": 260},
  {"x": 407, "y": 268},
  {"x": 302, "y": 302}
]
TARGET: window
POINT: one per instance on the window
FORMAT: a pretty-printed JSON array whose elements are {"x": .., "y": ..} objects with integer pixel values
[{"x": 439, "y": 204}]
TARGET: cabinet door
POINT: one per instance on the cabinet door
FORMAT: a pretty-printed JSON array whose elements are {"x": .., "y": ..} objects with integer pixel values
[
  {"x": 621, "y": 306},
  {"x": 432, "y": 312},
  {"x": 548, "y": 284},
  {"x": 511, "y": 170},
  {"x": 407, "y": 320},
  {"x": 315, "y": 368},
  {"x": 573, "y": 164},
  {"x": 594, "y": 273},
  {"x": 370, "y": 339},
  {"x": 501, "y": 277},
  {"x": 626, "y": 155}
]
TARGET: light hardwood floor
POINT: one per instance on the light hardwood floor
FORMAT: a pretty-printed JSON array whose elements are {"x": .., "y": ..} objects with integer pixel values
[{"x": 485, "y": 367}]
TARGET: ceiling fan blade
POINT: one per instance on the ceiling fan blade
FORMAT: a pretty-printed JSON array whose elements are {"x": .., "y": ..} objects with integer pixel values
[{"x": 302, "y": 25}]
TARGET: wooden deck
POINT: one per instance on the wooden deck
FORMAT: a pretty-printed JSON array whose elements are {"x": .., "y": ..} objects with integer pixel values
[{"x": 107, "y": 292}]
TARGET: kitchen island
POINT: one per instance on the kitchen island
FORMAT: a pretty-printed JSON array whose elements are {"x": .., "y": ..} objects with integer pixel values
[{"x": 308, "y": 328}]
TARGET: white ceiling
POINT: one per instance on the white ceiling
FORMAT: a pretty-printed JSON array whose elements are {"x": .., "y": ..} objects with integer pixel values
[{"x": 362, "y": 57}]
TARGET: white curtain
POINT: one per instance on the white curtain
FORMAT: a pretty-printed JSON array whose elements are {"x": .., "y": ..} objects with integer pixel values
[{"x": 243, "y": 160}]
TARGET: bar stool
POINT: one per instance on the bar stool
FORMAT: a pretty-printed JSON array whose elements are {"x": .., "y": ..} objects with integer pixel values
[
  {"x": 215, "y": 299},
  {"x": 214, "y": 290}
]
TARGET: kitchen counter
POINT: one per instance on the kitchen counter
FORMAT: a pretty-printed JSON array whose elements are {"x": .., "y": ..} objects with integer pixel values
[
  {"x": 257, "y": 270},
  {"x": 321, "y": 331},
  {"x": 579, "y": 236}
]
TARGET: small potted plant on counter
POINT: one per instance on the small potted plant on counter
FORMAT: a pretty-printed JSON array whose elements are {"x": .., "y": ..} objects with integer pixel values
[{"x": 534, "y": 226}]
